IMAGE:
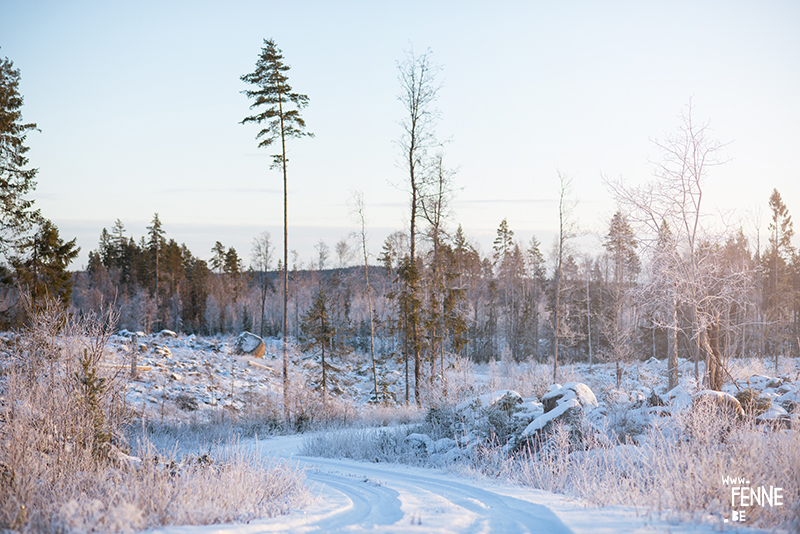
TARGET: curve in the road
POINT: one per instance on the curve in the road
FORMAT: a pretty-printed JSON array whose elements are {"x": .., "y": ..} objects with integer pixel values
[{"x": 394, "y": 500}]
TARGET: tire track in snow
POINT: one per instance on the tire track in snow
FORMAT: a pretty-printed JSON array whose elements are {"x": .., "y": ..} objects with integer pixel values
[
  {"x": 371, "y": 504},
  {"x": 395, "y": 500}
]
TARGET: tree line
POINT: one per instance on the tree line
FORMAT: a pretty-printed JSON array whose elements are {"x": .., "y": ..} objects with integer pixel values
[
  {"x": 634, "y": 298},
  {"x": 663, "y": 284}
]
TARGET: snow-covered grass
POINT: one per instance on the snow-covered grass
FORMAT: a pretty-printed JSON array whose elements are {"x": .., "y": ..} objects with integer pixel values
[
  {"x": 677, "y": 470},
  {"x": 673, "y": 465},
  {"x": 70, "y": 459},
  {"x": 85, "y": 446}
]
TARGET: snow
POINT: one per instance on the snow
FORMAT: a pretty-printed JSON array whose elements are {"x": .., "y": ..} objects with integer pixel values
[
  {"x": 571, "y": 395},
  {"x": 772, "y": 413},
  {"x": 379, "y": 498},
  {"x": 248, "y": 343},
  {"x": 540, "y": 422},
  {"x": 188, "y": 378},
  {"x": 680, "y": 398},
  {"x": 574, "y": 390}
]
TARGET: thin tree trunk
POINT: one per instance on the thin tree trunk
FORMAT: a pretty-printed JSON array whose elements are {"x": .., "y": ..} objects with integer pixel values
[
  {"x": 369, "y": 300},
  {"x": 558, "y": 319},
  {"x": 413, "y": 290},
  {"x": 324, "y": 378},
  {"x": 405, "y": 351},
  {"x": 589, "y": 318},
  {"x": 285, "y": 270},
  {"x": 672, "y": 357}
]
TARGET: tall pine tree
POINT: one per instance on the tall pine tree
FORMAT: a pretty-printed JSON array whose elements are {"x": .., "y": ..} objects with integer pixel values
[{"x": 273, "y": 96}]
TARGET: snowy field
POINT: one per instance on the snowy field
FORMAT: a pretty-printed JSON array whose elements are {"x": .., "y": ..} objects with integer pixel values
[
  {"x": 190, "y": 372},
  {"x": 604, "y": 453}
]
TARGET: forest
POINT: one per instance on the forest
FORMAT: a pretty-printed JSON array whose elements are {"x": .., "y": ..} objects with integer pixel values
[
  {"x": 665, "y": 283},
  {"x": 616, "y": 305}
]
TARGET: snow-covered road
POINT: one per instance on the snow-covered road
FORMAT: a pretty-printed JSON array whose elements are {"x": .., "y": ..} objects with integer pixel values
[
  {"x": 379, "y": 499},
  {"x": 360, "y": 497}
]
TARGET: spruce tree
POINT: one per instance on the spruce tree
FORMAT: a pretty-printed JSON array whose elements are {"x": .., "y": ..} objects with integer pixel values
[
  {"x": 43, "y": 270},
  {"x": 16, "y": 181},
  {"x": 778, "y": 258},
  {"x": 218, "y": 259},
  {"x": 155, "y": 245},
  {"x": 317, "y": 333},
  {"x": 621, "y": 243}
]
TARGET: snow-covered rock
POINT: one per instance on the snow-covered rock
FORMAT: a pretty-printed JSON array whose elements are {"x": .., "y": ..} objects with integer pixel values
[
  {"x": 790, "y": 396},
  {"x": 718, "y": 401},
  {"x": 773, "y": 413},
  {"x": 444, "y": 445},
  {"x": 566, "y": 405},
  {"x": 680, "y": 399},
  {"x": 578, "y": 391},
  {"x": 557, "y": 412},
  {"x": 617, "y": 397},
  {"x": 162, "y": 350},
  {"x": 128, "y": 333},
  {"x": 505, "y": 397},
  {"x": 249, "y": 344}
]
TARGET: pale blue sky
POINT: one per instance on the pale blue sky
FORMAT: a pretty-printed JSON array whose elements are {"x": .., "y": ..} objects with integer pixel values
[{"x": 139, "y": 106}]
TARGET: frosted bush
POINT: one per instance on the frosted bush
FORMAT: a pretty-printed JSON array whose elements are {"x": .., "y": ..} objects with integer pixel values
[{"x": 65, "y": 462}]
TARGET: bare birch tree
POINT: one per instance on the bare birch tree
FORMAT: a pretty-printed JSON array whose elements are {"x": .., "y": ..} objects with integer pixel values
[
  {"x": 358, "y": 208},
  {"x": 675, "y": 198},
  {"x": 566, "y": 231},
  {"x": 435, "y": 208}
]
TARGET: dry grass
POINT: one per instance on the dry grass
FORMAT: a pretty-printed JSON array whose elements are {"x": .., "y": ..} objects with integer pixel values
[
  {"x": 677, "y": 470},
  {"x": 63, "y": 461}
]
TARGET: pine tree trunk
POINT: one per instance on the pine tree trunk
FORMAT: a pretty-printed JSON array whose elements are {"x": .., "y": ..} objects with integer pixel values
[{"x": 285, "y": 270}]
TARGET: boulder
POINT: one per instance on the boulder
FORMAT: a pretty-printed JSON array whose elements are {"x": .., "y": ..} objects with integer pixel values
[
  {"x": 565, "y": 405},
  {"x": 504, "y": 399},
  {"x": 443, "y": 445},
  {"x": 249, "y": 344},
  {"x": 789, "y": 397},
  {"x": 128, "y": 333},
  {"x": 655, "y": 400},
  {"x": 775, "y": 414},
  {"x": 717, "y": 402},
  {"x": 713, "y": 416},
  {"x": 558, "y": 395}
]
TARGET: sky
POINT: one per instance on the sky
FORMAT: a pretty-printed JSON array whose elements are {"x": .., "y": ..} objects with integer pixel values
[{"x": 139, "y": 106}]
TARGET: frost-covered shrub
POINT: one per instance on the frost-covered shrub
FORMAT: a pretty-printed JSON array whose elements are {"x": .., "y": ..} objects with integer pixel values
[
  {"x": 65, "y": 464},
  {"x": 440, "y": 422},
  {"x": 712, "y": 417},
  {"x": 365, "y": 444}
]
